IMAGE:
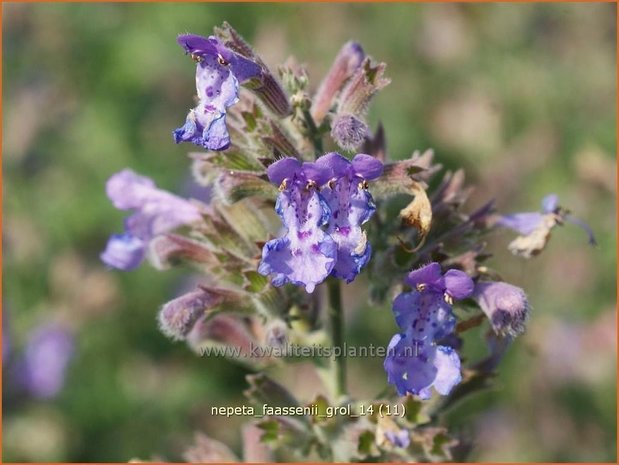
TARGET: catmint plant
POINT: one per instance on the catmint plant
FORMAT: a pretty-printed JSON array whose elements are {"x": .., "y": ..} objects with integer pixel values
[{"x": 305, "y": 199}]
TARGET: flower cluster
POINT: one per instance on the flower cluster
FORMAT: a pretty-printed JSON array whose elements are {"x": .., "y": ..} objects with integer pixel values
[
  {"x": 416, "y": 359},
  {"x": 275, "y": 137},
  {"x": 331, "y": 192},
  {"x": 156, "y": 212}
]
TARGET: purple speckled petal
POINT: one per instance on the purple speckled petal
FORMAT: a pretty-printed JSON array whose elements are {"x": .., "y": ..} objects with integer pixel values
[
  {"x": 304, "y": 255},
  {"x": 367, "y": 167},
  {"x": 550, "y": 203},
  {"x": 524, "y": 223},
  {"x": 583, "y": 225},
  {"x": 282, "y": 169},
  {"x": 458, "y": 284},
  {"x": 426, "y": 314},
  {"x": 447, "y": 365},
  {"x": 409, "y": 365},
  {"x": 123, "y": 252},
  {"x": 429, "y": 275},
  {"x": 351, "y": 206},
  {"x": 217, "y": 90},
  {"x": 414, "y": 366}
]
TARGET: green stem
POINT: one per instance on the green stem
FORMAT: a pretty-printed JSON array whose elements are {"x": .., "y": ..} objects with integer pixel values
[
  {"x": 314, "y": 133},
  {"x": 336, "y": 314}
]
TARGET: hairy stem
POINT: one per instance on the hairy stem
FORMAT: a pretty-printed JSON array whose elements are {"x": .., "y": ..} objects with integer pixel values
[
  {"x": 336, "y": 314},
  {"x": 313, "y": 132}
]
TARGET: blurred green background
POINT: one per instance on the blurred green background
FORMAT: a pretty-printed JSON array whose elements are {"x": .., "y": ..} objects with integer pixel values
[{"x": 521, "y": 96}]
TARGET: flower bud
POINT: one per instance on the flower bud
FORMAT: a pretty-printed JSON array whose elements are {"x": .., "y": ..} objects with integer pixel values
[
  {"x": 506, "y": 306},
  {"x": 362, "y": 86},
  {"x": 224, "y": 329},
  {"x": 265, "y": 86},
  {"x": 346, "y": 62},
  {"x": 164, "y": 251},
  {"x": 178, "y": 317},
  {"x": 348, "y": 131}
]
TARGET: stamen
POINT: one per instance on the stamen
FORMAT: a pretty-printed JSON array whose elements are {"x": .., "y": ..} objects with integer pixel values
[
  {"x": 331, "y": 183},
  {"x": 421, "y": 287},
  {"x": 310, "y": 185},
  {"x": 196, "y": 58},
  {"x": 221, "y": 60},
  {"x": 283, "y": 185},
  {"x": 449, "y": 299}
]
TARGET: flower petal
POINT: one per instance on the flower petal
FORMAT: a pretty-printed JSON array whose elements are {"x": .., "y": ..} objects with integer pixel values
[
  {"x": 126, "y": 189},
  {"x": 193, "y": 43},
  {"x": 583, "y": 225},
  {"x": 367, "y": 166},
  {"x": 458, "y": 284},
  {"x": 550, "y": 203},
  {"x": 429, "y": 275},
  {"x": 338, "y": 164},
  {"x": 524, "y": 223},
  {"x": 304, "y": 255},
  {"x": 123, "y": 252},
  {"x": 282, "y": 169},
  {"x": 447, "y": 365}
]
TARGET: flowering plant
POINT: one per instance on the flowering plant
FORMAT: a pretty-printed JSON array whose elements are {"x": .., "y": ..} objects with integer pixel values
[{"x": 304, "y": 199}]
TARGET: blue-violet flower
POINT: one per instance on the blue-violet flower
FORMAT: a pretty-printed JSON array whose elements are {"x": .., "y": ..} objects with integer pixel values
[
  {"x": 219, "y": 71},
  {"x": 415, "y": 359},
  {"x": 156, "y": 212},
  {"x": 351, "y": 206},
  {"x": 304, "y": 254}
]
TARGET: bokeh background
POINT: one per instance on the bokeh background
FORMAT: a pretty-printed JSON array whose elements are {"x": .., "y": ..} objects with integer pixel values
[{"x": 520, "y": 95}]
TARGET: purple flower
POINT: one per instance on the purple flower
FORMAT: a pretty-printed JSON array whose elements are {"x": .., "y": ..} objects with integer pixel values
[
  {"x": 535, "y": 227},
  {"x": 305, "y": 254},
  {"x": 219, "y": 71},
  {"x": 351, "y": 206},
  {"x": 155, "y": 212},
  {"x": 506, "y": 307},
  {"x": 416, "y": 361},
  {"x": 45, "y": 360}
]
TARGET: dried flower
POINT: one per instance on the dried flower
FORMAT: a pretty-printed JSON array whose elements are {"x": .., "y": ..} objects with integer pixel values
[{"x": 535, "y": 227}]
